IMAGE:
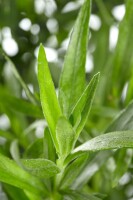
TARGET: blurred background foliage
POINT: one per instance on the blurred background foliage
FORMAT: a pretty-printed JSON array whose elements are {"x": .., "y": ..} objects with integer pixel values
[{"x": 27, "y": 23}]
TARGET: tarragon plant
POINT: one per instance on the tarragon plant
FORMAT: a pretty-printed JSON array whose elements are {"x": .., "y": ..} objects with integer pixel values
[{"x": 57, "y": 166}]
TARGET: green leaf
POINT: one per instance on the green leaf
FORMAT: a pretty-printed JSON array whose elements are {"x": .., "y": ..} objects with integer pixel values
[
  {"x": 123, "y": 52},
  {"x": 12, "y": 174},
  {"x": 48, "y": 147},
  {"x": 22, "y": 83},
  {"x": 72, "y": 80},
  {"x": 15, "y": 193},
  {"x": 91, "y": 168},
  {"x": 113, "y": 140},
  {"x": 129, "y": 94},
  {"x": 65, "y": 136},
  {"x": 19, "y": 105},
  {"x": 81, "y": 110},
  {"x": 50, "y": 106},
  {"x": 76, "y": 195},
  {"x": 72, "y": 171},
  {"x": 123, "y": 121},
  {"x": 122, "y": 163},
  {"x": 41, "y": 168},
  {"x": 14, "y": 150},
  {"x": 7, "y": 135},
  {"x": 34, "y": 150}
]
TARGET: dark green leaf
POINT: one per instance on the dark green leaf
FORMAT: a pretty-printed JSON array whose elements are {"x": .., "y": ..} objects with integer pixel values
[
  {"x": 91, "y": 168},
  {"x": 122, "y": 163},
  {"x": 19, "y": 105},
  {"x": 15, "y": 193},
  {"x": 18, "y": 77},
  {"x": 123, "y": 121},
  {"x": 72, "y": 80},
  {"x": 76, "y": 195},
  {"x": 35, "y": 150},
  {"x": 48, "y": 147},
  {"x": 72, "y": 171}
]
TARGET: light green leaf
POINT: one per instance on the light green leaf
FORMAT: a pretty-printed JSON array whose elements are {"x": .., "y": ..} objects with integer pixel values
[
  {"x": 48, "y": 97},
  {"x": 65, "y": 136},
  {"x": 113, "y": 140},
  {"x": 83, "y": 105},
  {"x": 12, "y": 174},
  {"x": 14, "y": 150},
  {"x": 72, "y": 80},
  {"x": 41, "y": 168}
]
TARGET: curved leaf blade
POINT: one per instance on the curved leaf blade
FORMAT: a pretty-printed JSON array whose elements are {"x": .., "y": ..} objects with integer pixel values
[
  {"x": 84, "y": 104},
  {"x": 72, "y": 171},
  {"x": 113, "y": 140},
  {"x": 19, "y": 105},
  {"x": 28, "y": 93},
  {"x": 49, "y": 102},
  {"x": 123, "y": 121},
  {"x": 12, "y": 174}
]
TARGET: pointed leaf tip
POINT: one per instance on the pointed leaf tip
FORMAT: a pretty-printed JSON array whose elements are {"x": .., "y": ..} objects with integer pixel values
[{"x": 48, "y": 96}]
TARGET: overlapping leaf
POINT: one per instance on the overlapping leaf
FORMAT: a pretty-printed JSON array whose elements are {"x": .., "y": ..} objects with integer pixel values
[
  {"x": 50, "y": 106},
  {"x": 72, "y": 80},
  {"x": 12, "y": 174},
  {"x": 41, "y": 168},
  {"x": 65, "y": 136},
  {"x": 113, "y": 140}
]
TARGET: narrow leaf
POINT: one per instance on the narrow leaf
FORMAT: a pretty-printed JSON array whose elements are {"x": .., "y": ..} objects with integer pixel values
[
  {"x": 72, "y": 171},
  {"x": 48, "y": 97},
  {"x": 84, "y": 104},
  {"x": 123, "y": 161},
  {"x": 34, "y": 150},
  {"x": 22, "y": 83},
  {"x": 76, "y": 195},
  {"x": 72, "y": 80},
  {"x": 65, "y": 136},
  {"x": 14, "y": 192},
  {"x": 48, "y": 147},
  {"x": 123, "y": 121},
  {"x": 19, "y": 105},
  {"x": 113, "y": 140},
  {"x": 41, "y": 168},
  {"x": 14, "y": 150},
  {"x": 91, "y": 168},
  {"x": 12, "y": 174}
]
